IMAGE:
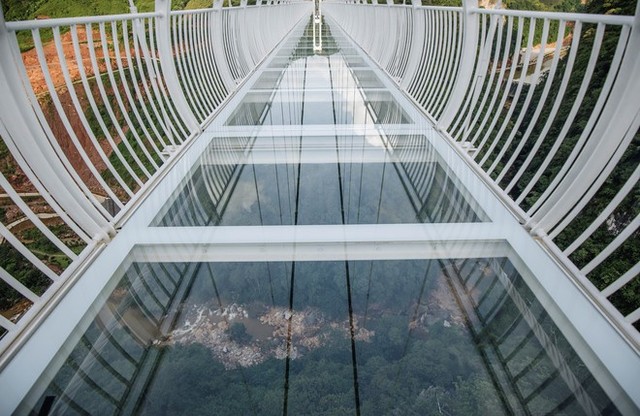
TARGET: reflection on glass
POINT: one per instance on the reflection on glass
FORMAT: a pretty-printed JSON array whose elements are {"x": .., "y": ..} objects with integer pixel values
[
  {"x": 413, "y": 188},
  {"x": 466, "y": 337},
  {"x": 307, "y": 85}
]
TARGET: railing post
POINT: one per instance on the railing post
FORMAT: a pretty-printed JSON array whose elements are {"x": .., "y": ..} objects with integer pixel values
[
  {"x": 167, "y": 63},
  {"x": 28, "y": 142},
  {"x": 418, "y": 36},
  {"x": 218, "y": 37},
  {"x": 465, "y": 73}
]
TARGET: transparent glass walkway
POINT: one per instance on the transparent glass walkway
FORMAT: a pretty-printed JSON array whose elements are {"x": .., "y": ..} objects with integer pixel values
[{"x": 321, "y": 249}]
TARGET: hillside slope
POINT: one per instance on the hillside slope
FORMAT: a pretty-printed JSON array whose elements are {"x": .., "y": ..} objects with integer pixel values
[{"x": 32, "y": 9}]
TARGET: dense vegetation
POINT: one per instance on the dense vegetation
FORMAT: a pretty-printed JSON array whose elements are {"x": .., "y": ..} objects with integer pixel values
[
  {"x": 431, "y": 373},
  {"x": 547, "y": 5},
  {"x": 25, "y": 10}
]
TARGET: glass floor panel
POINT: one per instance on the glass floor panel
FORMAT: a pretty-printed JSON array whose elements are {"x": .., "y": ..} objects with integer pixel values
[
  {"x": 301, "y": 78},
  {"x": 225, "y": 189},
  {"x": 317, "y": 338},
  {"x": 293, "y": 107},
  {"x": 353, "y": 61},
  {"x": 318, "y": 87}
]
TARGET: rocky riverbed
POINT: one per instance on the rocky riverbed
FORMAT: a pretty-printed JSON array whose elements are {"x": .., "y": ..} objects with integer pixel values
[{"x": 238, "y": 339}]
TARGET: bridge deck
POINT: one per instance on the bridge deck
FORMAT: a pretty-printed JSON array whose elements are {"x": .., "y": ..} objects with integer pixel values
[{"x": 320, "y": 173}]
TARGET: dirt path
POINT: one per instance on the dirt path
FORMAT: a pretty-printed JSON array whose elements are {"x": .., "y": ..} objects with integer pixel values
[{"x": 36, "y": 75}]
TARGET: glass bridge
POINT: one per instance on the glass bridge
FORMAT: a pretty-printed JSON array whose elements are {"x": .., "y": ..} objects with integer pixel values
[{"x": 321, "y": 248}]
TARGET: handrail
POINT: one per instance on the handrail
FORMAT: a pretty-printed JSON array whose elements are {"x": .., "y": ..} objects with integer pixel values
[
  {"x": 607, "y": 19},
  {"x": 70, "y": 21},
  {"x": 542, "y": 103},
  {"x": 91, "y": 115}
]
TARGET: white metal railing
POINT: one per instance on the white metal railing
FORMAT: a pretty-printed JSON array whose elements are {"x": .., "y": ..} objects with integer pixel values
[
  {"x": 90, "y": 115},
  {"x": 546, "y": 105}
]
